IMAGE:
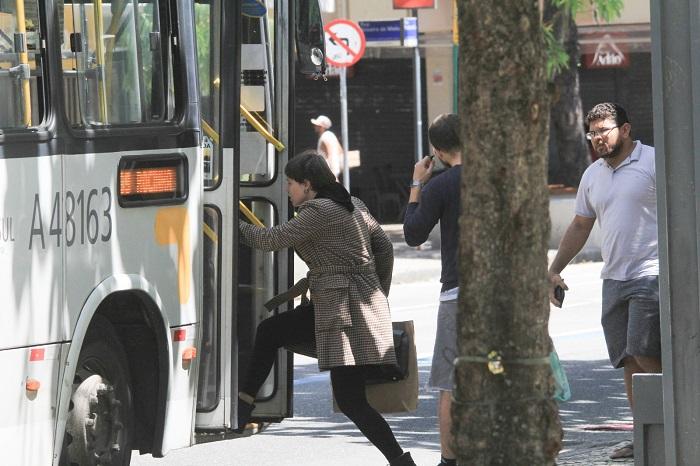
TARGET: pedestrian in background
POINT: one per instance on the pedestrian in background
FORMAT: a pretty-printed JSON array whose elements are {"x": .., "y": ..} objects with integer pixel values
[
  {"x": 619, "y": 190},
  {"x": 350, "y": 261},
  {"x": 428, "y": 204},
  {"x": 328, "y": 145}
]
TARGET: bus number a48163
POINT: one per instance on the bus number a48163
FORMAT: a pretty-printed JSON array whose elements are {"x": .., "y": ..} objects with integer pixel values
[{"x": 87, "y": 218}]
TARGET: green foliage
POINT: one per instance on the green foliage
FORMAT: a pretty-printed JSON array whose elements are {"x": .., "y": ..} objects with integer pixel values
[
  {"x": 607, "y": 10},
  {"x": 557, "y": 58}
]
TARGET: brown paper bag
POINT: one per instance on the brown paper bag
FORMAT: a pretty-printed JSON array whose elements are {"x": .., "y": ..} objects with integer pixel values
[{"x": 401, "y": 396}]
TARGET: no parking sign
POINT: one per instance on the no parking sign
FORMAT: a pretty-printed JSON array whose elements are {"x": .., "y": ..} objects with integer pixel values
[{"x": 345, "y": 43}]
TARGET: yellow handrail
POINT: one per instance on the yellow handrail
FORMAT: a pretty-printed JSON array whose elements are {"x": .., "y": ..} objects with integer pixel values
[
  {"x": 209, "y": 131},
  {"x": 261, "y": 129},
  {"x": 250, "y": 215},
  {"x": 111, "y": 34},
  {"x": 99, "y": 52},
  {"x": 24, "y": 60}
]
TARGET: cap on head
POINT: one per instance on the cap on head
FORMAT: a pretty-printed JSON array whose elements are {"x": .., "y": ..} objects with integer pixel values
[{"x": 323, "y": 121}]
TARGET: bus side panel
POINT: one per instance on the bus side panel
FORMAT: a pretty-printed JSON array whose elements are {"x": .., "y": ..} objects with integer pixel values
[
  {"x": 180, "y": 410},
  {"x": 27, "y": 416},
  {"x": 31, "y": 244},
  {"x": 158, "y": 242}
]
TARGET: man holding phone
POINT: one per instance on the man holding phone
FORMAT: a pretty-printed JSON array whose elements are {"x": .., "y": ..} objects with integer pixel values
[
  {"x": 619, "y": 189},
  {"x": 437, "y": 202}
]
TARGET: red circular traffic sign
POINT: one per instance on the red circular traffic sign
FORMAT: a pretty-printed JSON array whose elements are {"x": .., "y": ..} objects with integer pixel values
[{"x": 345, "y": 43}]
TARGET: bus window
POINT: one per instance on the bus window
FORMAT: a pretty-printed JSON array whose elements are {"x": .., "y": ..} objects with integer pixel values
[
  {"x": 207, "y": 15},
  {"x": 21, "y": 83},
  {"x": 209, "y": 383},
  {"x": 258, "y": 134},
  {"x": 115, "y": 62}
]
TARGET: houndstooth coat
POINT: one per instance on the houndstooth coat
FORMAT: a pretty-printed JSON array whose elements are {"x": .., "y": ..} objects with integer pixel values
[{"x": 350, "y": 262}]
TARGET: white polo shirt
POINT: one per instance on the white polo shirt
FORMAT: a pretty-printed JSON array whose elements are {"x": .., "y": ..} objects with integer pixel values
[
  {"x": 334, "y": 157},
  {"x": 623, "y": 200}
]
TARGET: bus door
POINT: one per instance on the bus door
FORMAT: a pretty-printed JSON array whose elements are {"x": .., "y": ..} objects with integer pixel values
[
  {"x": 244, "y": 154},
  {"x": 246, "y": 102}
]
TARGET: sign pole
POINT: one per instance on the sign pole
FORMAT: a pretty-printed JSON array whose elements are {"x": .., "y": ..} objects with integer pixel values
[
  {"x": 345, "y": 45},
  {"x": 344, "y": 124},
  {"x": 419, "y": 98}
]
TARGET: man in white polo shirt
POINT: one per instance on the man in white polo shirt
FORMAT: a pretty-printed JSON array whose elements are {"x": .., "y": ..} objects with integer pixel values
[
  {"x": 328, "y": 145},
  {"x": 619, "y": 189}
]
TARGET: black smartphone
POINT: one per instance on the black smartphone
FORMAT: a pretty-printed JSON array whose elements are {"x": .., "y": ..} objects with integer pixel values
[{"x": 559, "y": 294}]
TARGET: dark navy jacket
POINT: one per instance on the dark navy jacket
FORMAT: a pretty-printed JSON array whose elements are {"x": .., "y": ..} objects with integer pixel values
[{"x": 439, "y": 202}]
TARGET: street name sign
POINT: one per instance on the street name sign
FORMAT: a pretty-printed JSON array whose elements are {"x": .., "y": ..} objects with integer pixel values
[{"x": 386, "y": 33}]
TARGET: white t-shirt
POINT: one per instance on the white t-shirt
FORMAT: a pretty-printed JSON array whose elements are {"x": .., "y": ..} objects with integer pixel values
[
  {"x": 333, "y": 152},
  {"x": 623, "y": 200}
]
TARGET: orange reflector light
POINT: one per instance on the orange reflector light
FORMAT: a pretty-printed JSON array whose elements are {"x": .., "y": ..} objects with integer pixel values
[
  {"x": 37, "y": 354},
  {"x": 179, "y": 335},
  {"x": 32, "y": 385},
  {"x": 138, "y": 181},
  {"x": 189, "y": 354}
]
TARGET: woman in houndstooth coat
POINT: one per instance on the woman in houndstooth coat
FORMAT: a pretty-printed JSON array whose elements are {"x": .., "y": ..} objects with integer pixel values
[{"x": 350, "y": 262}]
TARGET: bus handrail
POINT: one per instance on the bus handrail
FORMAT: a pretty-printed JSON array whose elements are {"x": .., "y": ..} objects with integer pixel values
[
  {"x": 24, "y": 60},
  {"x": 261, "y": 129},
  {"x": 250, "y": 215}
]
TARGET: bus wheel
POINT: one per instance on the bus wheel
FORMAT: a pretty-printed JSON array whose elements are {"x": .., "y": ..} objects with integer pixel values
[{"x": 98, "y": 428}]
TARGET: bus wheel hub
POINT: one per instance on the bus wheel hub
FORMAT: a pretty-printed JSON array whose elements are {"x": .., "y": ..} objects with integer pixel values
[{"x": 93, "y": 423}]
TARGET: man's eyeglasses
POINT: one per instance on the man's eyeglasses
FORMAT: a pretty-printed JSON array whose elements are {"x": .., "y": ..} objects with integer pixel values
[{"x": 602, "y": 133}]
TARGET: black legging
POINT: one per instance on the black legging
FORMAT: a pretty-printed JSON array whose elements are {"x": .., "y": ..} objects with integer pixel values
[{"x": 297, "y": 326}]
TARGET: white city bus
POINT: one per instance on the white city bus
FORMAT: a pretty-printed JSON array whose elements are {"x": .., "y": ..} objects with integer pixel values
[{"x": 132, "y": 133}]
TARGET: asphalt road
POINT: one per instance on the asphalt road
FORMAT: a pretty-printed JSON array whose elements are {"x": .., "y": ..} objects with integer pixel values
[{"x": 316, "y": 436}]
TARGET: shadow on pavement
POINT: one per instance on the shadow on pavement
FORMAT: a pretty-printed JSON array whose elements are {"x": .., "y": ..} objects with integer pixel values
[
  {"x": 314, "y": 416},
  {"x": 598, "y": 415},
  {"x": 592, "y": 419}
]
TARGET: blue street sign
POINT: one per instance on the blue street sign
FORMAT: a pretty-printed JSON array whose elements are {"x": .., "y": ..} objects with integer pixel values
[{"x": 398, "y": 32}]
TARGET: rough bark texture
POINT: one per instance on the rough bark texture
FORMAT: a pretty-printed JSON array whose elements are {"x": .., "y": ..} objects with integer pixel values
[
  {"x": 507, "y": 419},
  {"x": 568, "y": 149}
]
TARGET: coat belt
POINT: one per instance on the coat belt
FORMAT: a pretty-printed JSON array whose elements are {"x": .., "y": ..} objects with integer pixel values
[{"x": 301, "y": 287}]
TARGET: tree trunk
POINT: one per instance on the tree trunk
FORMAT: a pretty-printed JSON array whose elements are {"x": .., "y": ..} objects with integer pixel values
[
  {"x": 568, "y": 149},
  {"x": 509, "y": 418}
]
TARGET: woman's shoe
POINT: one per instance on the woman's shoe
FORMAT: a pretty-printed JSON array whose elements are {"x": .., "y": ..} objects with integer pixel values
[
  {"x": 244, "y": 411},
  {"x": 403, "y": 460}
]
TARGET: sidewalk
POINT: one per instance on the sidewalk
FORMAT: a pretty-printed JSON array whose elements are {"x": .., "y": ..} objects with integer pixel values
[{"x": 598, "y": 390}]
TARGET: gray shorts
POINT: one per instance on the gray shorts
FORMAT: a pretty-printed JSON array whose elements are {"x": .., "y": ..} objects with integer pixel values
[
  {"x": 630, "y": 318},
  {"x": 445, "y": 351}
]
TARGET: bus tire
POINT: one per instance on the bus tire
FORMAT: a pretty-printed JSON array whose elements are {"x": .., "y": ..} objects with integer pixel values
[{"x": 100, "y": 414}]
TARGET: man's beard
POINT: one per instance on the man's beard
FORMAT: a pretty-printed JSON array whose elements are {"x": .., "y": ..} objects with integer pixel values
[{"x": 614, "y": 152}]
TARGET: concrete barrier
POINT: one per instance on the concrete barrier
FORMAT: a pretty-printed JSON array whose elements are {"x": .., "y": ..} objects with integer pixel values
[
  {"x": 648, "y": 420},
  {"x": 561, "y": 212}
]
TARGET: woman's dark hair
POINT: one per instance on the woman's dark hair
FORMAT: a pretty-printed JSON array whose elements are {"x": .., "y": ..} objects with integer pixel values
[
  {"x": 444, "y": 133},
  {"x": 312, "y": 167}
]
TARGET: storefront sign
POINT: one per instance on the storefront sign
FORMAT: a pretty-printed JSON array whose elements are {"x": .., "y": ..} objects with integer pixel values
[
  {"x": 407, "y": 4},
  {"x": 608, "y": 54}
]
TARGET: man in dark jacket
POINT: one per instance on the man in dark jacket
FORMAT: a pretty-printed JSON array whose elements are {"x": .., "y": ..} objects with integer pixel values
[{"x": 428, "y": 204}]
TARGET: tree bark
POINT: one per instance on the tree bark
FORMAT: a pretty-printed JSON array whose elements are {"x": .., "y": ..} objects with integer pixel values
[
  {"x": 509, "y": 418},
  {"x": 568, "y": 149}
]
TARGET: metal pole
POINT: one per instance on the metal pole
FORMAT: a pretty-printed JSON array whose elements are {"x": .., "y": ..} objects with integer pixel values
[
  {"x": 344, "y": 125},
  {"x": 674, "y": 26},
  {"x": 419, "y": 99}
]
